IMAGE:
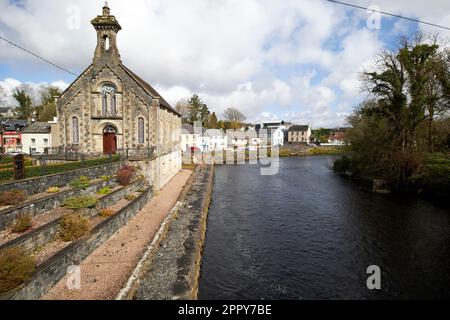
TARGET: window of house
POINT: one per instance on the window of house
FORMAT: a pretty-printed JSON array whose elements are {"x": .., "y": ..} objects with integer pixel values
[
  {"x": 33, "y": 141},
  {"x": 46, "y": 141},
  {"x": 75, "y": 131},
  {"x": 141, "y": 130}
]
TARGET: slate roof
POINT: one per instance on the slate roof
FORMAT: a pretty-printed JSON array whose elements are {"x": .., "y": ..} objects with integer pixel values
[
  {"x": 149, "y": 89},
  {"x": 298, "y": 128},
  {"x": 38, "y": 127},
  {"x": 189, "y": 128},
  {"x": 13, "y": 125}
]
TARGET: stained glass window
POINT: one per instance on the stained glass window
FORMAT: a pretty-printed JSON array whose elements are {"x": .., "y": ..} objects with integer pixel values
[
  {"x": 75, "y": 131},
  {"x": 108, "y": 96},
  {"x": 141, "y": 130}
]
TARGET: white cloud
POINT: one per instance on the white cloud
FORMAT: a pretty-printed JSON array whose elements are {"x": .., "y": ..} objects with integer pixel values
[
  {"x": 10, "y": 85},
  {"x": 246, "y": 54}
]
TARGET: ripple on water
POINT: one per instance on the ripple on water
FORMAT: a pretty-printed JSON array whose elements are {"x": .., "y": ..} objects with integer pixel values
[{"x": 306, "y": 233}]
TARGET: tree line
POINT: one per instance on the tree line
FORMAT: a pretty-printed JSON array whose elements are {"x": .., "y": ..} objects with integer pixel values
[
  {"x": 194, "y": 110},
  {"x": 406, "y": 117},
  {"x": 39, "y": 104}
]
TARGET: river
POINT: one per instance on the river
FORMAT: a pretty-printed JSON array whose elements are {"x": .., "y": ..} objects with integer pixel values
[{"x": 307, "y": 233}]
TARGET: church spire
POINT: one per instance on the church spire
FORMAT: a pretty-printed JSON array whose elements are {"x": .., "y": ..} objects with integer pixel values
[{"x": 107, "y": 28}]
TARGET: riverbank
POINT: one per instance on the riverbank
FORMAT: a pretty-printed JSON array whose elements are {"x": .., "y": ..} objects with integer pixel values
[
  {"x": 431, "y": 180},
  {"x": 172, "y": 272}
]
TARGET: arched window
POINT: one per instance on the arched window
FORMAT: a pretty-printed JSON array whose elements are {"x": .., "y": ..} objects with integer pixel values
[
  {"x": 107, "y": 44},
  {"x": 108, "y": 100},
  {"x": 75, "y": 131},
  {"x": 141, "y": 130}
]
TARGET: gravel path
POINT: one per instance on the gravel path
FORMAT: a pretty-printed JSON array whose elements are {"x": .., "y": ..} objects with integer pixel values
[{"x": 106, "y": 270}]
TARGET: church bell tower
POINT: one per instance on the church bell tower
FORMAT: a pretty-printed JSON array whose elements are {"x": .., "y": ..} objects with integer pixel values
[{"x": 107, "y": 28}]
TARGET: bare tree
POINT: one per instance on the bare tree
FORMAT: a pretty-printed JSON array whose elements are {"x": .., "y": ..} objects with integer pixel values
[
  {"x": 234, "y": 117},
  {"x": 183, "y": 108}
]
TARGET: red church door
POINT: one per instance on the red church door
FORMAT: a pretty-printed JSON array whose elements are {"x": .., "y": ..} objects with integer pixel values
[{"x": 109, "y": 140}]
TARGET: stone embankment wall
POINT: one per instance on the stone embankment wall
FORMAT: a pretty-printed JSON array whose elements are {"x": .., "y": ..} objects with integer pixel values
[
  {"x": 55, "y": 268},
  {"x": 41, "y": 184},
  {"x": 172, "y": 271}
]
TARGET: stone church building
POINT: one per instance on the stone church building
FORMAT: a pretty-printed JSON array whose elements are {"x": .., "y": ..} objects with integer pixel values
[{"x": 109, "y": 108}]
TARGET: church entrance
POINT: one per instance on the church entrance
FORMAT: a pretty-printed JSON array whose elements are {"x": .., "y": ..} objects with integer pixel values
[{"x": 109, "y": 140}]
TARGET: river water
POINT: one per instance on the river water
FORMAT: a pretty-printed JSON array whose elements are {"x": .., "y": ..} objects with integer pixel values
[{"x": 307, "y": 233}]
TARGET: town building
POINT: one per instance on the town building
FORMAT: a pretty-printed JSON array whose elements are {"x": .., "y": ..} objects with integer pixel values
[
  {"x": 216, "y": 139},
  {"x": 274, "y": 132},
  {"x": 11, "y": 135},
  {"x": 337, "y": 137},
  {"x": 299, "y": 134},
  {"x": 37, "y": 137},
  {"x": 110, "y": 108},
  {"x": 190, "y": 139},
  {"x": 204, "y": 140}
]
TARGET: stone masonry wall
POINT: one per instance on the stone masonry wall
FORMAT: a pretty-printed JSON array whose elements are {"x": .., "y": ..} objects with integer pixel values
[{"x": 41, "y": 184}]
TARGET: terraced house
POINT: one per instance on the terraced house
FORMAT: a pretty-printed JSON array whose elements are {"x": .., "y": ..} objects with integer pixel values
[{"x": 109, "y": 107}]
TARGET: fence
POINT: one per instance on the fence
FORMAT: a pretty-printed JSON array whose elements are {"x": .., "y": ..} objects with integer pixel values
[{"x": 62, "y": 159}]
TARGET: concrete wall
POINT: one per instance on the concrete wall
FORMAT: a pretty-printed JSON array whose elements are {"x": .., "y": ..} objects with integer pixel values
[{"x": 159, "y": 171}]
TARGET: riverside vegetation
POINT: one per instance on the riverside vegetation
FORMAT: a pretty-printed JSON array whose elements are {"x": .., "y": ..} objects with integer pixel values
[{"x": 402, "y": 133}]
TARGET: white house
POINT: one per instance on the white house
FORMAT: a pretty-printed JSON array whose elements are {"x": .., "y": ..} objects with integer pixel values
[
  {"x": 36, "y": 137},
  {"x": 277, "y": 137},
  {"x": 190, "y": 138},
  {"x": 299, "y": 134},
  {"x": 275, "y": 131},
  {"x": 214, "y": 139}
]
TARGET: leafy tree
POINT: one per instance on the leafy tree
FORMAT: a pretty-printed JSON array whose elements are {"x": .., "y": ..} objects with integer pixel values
[
  {"x": 322, "y": 135},
  {"x": 410, "y": 81},
  {"x": 212, "y": 121},
  {"x": 46, "y": 111},
  {"x": 25, "y": 107},
  {"x": 234, "y": 117},
  {"x": 198, "y": 111}
]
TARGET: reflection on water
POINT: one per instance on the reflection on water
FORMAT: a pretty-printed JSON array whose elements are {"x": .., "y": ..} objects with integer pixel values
[{"x": 307, "y": 233}]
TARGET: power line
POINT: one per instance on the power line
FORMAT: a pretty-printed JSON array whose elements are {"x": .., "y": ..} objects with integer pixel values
[
  {"x": 389, "y": 14},
  {"x": 38, "y": 56}
]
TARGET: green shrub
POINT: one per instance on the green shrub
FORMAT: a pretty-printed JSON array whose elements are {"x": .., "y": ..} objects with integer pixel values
[
  {"x": 105, "y": 178},
  {"x": 342, "y": 164},
  {"x": 73, "y": 226},
  {"x": 104, "y": 191},
  {"x": 12, "y": 198},
  {"x": 80, "y": 183},
  {"x": 76, "y": 203},
  {"x": 15, "y": 268},
  {"x": 22, "y": 224},
  {"x": 5, "y": 160}
]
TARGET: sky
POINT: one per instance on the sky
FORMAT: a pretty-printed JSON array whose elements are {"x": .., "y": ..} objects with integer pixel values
[{"x": 291, "y": 60}]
